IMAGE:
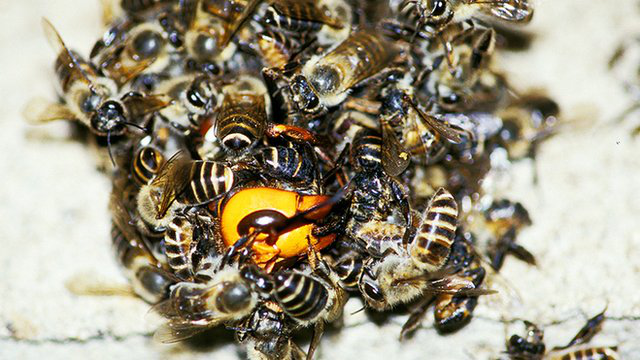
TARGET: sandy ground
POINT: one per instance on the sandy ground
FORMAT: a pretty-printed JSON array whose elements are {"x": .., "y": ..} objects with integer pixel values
[{"x": 54, "y": 223}]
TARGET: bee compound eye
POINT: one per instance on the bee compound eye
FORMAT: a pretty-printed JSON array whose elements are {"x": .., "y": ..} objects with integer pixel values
[
  {"x": 373, "y": 292},
  {"x": 205, "y": 46},
  {"x": 147, "y": 44},
  {"x": 234, "y": 297},
  {"x": 438, "y": 7}
]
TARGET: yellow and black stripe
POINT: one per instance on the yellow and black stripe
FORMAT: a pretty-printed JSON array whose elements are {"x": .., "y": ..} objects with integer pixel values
[
  {"x": 432, "y": 244},
  {"x": 300, "y": 296}
]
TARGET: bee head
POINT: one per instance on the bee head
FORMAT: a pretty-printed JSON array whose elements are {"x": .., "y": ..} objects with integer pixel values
[
  {"x": 109, "y": 118},
  {"x": 304, "y": 95}
]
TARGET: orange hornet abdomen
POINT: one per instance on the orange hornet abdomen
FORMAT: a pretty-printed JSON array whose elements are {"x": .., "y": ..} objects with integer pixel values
[{"x": 290, "y": 243}]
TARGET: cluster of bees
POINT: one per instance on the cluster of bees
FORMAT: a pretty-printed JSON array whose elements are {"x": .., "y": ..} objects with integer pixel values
[{"x": 272, "y": 158}]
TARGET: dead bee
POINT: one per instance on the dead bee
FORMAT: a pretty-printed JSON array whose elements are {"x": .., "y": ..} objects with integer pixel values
[
  {"x": 504, "y": 219},
  {"x": 532, "y": 347},
  {"x": 526, "y": 122}
]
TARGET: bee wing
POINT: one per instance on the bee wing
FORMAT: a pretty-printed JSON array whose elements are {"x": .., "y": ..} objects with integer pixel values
[
  {"x": 122, "y": 220},
  {"x": 62, "y": 51},
  {"x": 314, "y": 13},
  {"x": 40, "y": 110},
  {"x": 139, "y": 105},
  {"x": 176, "y": 330},
  {"x": 509, "y": 10},
  {"x": 443, "y": 129},
  {"x": 456, "y": 286},
  {"x": 395, "y": 158},
  {"x": 172, "y": 178},
  {"x": 235, "y": 22}
]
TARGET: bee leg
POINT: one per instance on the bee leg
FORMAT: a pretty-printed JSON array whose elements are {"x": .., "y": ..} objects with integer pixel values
[
  {"x": 318, "y": 330},
  {"x": 416, "y": 317}
]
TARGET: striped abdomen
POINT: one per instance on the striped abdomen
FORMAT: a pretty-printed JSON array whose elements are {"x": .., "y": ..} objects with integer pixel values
[
  {"x": 298, "y": 15},
  {"x": 300, "y": 296},
  {"x": 286, "y": 163},
  {"x": 592, "y": 353},
  {"x": 136, "y": 6},
  {"x": 179, "y": 245},
  {"x": 209, "y": 179},
  {"x": 276, "y": 48},
  {"x": 366, "y": 152},
  {"x": 349, "y": 271},
  {"x": 432, "y": 244},
  {"x": 241, "y": 121},
  {"x": 146, "y": 164}
]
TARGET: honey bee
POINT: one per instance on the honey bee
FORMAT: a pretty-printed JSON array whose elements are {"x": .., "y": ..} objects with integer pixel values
[
  {"x": 374, "y": 195},
  {"x": 325, "y": 80},
  {"x": 187, "y": 181},
  {"x": 457, "y": 78},
  {"x": 211, "y": 25},
  {"x": 267, "y": 333},
  {"x": 194, "y": 307},
  {"x": 142, "y": 48},
  {"x": 330, "y": 20},
  {"x": 532, "y": 347},
  {"x": 427, "y": 252},
  {"x": 504, "y": 219},
  {"x": 438, "y": 14},
  {"x": 526, "y": 122},
  {"x": 194, "y": 99},
  {"x": 409, "y": 129},
  {"x": 88, "y": 97},
  {"x": 242, "y": 118},
  {"x": 149, "y": 279}
]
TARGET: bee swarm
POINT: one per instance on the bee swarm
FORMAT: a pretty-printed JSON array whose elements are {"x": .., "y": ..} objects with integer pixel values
[{"x": 274, "y": 158}]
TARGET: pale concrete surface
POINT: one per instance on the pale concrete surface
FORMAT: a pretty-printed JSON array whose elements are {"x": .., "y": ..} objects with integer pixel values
[{"x": 54, "y": 222}]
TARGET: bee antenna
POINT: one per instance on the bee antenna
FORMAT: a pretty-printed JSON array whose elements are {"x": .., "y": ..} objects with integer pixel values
[
  {"x": 109, "y": 149},
  {"x": 359, "y": 310},
  {"x": 141, "y": 128}
]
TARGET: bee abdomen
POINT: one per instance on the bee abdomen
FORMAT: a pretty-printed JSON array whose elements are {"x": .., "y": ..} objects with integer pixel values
[
  {"x": 592, "y": 353},
  {"x": 432, "y": 244},
  {"x": 349, "y": 271},
  {"x": 209, "y": 179},
  {"x": 241, "y": 123},
  {"x": 276, "y": 48},
  {"x": 178, "y": 241},
  {"x": 146, "y": 164},
  {"x": 286, "y": 163},
  {"x": 367, "y": 149},
  {"x": 300, "y": 296}
]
